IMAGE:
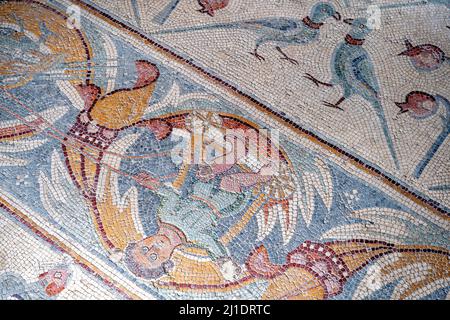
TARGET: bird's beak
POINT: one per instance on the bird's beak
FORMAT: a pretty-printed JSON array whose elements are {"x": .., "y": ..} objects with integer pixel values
[
  {"x": 348, "y": 21},
  {"x": 337, "y": 16}
]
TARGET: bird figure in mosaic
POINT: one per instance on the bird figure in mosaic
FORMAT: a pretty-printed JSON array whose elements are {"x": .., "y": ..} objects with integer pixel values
[
  {"x": 425, "y": 57},
  {"x": 421, "y": 105},
  {"x": 280, "y": 31},
  {"x": 353, "y": 70}
]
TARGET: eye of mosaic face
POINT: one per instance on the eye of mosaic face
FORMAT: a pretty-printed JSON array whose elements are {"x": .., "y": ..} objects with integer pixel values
[
  {"x": 153, "y": 257},
  {"x": 224, "y": 149}
]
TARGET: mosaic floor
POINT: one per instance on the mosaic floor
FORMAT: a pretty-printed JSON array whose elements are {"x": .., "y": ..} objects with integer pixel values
[{"x": 224, "y": 149}]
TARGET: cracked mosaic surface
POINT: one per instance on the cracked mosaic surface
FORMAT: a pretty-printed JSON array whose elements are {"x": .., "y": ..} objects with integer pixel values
[{"x": 217, "y": 149}]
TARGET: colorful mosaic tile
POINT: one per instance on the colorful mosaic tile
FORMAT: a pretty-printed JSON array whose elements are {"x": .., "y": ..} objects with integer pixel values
[{"x": 224, "y": 149}]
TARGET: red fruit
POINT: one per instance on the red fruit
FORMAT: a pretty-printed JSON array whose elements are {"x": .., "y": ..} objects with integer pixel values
[
  {"x": 418, "y": 104},
  {"x": 425, "y": 57},
  {"x": 53, "y": 289}
]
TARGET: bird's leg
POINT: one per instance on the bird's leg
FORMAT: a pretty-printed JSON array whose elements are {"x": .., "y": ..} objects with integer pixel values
[
  {"x": 285, "y": 56},
  {"x": 257, "y": 55},
  {"x": 317, "y": 82},
  {"x": 336, "y": 105}
]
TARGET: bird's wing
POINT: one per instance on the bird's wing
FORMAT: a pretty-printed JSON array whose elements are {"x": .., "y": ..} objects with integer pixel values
[
  {"x": 363, "y": 75},
  {"x": 281, "y": 24}
]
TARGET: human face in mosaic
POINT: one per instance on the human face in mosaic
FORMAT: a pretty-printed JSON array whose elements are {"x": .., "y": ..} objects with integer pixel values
[{"x": 153, "y": 251}]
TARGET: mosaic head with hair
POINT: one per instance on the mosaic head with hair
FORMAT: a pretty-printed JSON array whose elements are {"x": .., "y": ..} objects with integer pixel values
[{"x": 150, "y": 258}]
